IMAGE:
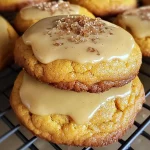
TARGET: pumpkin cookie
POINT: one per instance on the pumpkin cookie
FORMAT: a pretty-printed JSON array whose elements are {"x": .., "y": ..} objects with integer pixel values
[
  {"x": 79, "y": 53},
  {"x": 8, "y": 38},
  {"x": 13, "y": 5},
  {"x": 137, "y": 22},
  {"x": 106, "y": 7},
  {"x": 31, "y": 14},
  {"x": 62, "y": 129}
]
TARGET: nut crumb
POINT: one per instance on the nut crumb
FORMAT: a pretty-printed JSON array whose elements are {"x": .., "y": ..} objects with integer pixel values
[
  {"x": 91, "y": 49},
  {"x": 58, "y": 44}
]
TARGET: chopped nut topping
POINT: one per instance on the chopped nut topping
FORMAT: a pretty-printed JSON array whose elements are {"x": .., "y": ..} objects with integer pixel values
[
  {"x": 91, "y": 49},
  {"x": 81, "y": 25},
  {"x": 52, "y": 7},
  {"x": 78, "y": 29}
]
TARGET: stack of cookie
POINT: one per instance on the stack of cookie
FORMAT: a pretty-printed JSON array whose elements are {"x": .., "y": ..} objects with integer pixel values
[{"x": 79, "y": 85}]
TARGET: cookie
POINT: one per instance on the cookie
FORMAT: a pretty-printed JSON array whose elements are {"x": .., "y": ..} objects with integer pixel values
[
  {"x": 85, "y": 56},
  {"x": 137, "y": 22},
  {"x": 62, "y": 129},
  {"x": 13, "y": 5},
  {"x": 31, "y": 14},
  {"x": 105, "y": 8},
  {"x": 8, "y": 38}
]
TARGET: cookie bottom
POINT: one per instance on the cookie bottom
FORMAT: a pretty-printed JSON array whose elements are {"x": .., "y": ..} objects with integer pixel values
[
  {"x": 94, "y": 88},
  {"x": 108, "y": 124}
]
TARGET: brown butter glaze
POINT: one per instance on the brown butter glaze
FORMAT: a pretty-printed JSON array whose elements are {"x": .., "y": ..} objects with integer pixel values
[
  {"x": 42, "y": 99},
  {"x": 138, "y": 21},
  {"x": 78, "y": 38},
  {"x": 48, "y": 9}
]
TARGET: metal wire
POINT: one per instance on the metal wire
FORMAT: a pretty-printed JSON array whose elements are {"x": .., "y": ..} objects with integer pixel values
[
  {"x": 55, "y": 146},
  {"x": 28, "y": 144},
  {"x": 140, "y": 129},
  {"x": 9, "y": 133}
]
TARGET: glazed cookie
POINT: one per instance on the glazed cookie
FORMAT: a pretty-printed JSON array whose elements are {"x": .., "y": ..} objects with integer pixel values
[
  {"x": 12, "y": 5},
  {"x": 69, "y": 128},
  {"x": 79, "y": 53},
  {"x": 146, "y": 2},
  {"x": 31, "y": 14},
  {"x": 106, "y": 7},
  {"x": 8, "y": 38},
  {"x": 137, "y": 22}
]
